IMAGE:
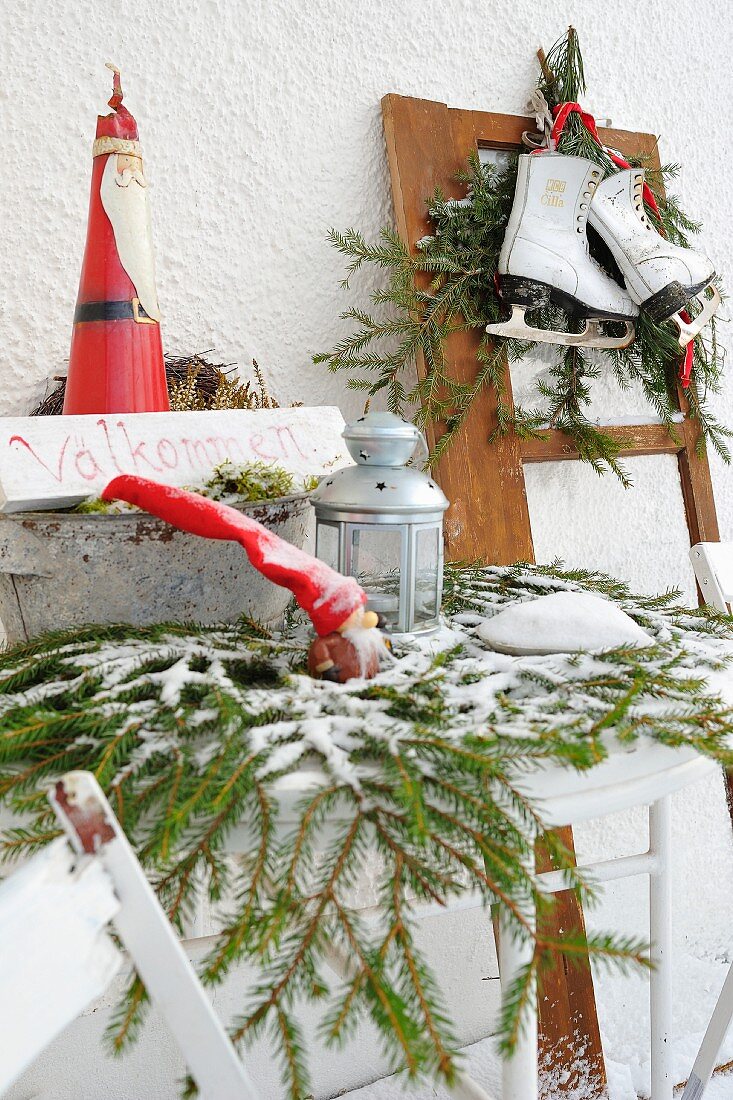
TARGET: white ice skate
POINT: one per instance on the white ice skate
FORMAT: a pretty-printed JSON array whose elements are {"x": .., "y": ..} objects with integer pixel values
[
  {"x": 545, "y": 258},
  {"x": 661, "y": 277}
]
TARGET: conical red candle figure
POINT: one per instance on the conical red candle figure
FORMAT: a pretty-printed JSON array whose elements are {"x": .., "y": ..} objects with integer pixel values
[
  {"x": 348, "y": 645},
  {"x": 116, "y": 362}
]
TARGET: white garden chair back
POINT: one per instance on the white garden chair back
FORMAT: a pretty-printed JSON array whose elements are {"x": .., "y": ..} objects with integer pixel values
[
  {"x": 713, "y": 565},
  {"x": 58, "y": 956}
]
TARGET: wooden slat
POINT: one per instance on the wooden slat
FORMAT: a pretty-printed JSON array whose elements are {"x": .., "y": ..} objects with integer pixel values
[
  {"x": 635, "y": 439},
  {"x": 489, "y": 518},
  {"x": 697, "y": 485},
  {"x": 427, "y": 144},
  {"x": 569, "y": 1028}
]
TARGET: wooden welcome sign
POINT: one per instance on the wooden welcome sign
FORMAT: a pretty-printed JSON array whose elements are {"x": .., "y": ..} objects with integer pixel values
[{"x": 58, "y": 461}]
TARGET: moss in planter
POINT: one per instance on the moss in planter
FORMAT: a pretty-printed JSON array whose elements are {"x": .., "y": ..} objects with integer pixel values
[
  {"x": 252, "y": 481},
  {"x": 95, "y": 505}
]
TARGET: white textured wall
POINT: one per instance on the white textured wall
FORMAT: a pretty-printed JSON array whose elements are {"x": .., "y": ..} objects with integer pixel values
[{"x": 261, "y": 126}]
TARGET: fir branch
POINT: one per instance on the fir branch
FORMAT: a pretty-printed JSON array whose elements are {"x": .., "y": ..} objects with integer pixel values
[{"x": 431, "y": 786}]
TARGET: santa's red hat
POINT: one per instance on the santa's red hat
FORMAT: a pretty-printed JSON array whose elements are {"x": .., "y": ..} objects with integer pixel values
[{"x": 120, "y": 123}]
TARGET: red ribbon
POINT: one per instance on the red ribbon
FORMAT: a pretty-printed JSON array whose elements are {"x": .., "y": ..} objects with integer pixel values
[
  {"x": 561, "y": 114},
  {"x": 685, "y": 371}
]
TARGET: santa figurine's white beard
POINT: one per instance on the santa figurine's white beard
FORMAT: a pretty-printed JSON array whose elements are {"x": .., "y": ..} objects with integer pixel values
[
  {"x": 125, "y": 202},
  {"x": 369, "y": 644}
]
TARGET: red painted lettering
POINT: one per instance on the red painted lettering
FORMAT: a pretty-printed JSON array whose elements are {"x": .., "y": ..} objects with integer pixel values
[
  {"x": 137, "y": 453},
  {"x": 255, "y": 441},
  {"x": 283, "y": 430},
  {"x": 58, "y": 473},
  {"x": 219, "y": 447},
  {"x": 196, "y": 454},
  {"x": 84, "y": 457},
  {"x": 102, "y": 423},
  {"x": 234, "y": 448},
  {"x": 165, "y": 447}
]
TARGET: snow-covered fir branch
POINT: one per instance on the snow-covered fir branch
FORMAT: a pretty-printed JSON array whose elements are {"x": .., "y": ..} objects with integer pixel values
[{"x": 197, "y": 731}]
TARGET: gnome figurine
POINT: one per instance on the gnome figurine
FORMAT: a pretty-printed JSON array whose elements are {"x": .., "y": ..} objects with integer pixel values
[
  {"x": 349, "y": 651},
  {"x": 348, "y": 645},
  {"x": 116, "y": 361}
]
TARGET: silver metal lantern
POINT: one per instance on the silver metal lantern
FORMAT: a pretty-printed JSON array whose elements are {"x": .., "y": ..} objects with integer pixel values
[{"x": 381, "y": 521}]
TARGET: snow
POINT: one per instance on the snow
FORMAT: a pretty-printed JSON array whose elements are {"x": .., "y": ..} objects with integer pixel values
[
  {"x": 481, "y": 1061},
  {"x": 563, "y": 622}
]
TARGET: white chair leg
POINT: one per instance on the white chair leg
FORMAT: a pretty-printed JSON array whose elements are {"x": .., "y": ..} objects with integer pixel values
[
  {"x": 660, "y": 920},
  {"x": 154, "y": 947},
  {"x": 716, "y": 1032},
  {"x": 519, "y": 1073},
  {"x": 465, "y": 1088}
]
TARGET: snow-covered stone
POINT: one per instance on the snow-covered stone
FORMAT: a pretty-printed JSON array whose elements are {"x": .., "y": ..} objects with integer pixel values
[{"x": 563, "y": 622}]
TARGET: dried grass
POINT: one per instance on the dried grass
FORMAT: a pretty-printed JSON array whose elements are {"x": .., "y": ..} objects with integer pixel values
[{"x": 194, "y": 383}]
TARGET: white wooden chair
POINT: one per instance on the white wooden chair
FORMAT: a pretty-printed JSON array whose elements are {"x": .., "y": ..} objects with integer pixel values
[
  {"x": 641, "y": 774},
  {"x": 713, "y": 565},
  {"x": 57, "y": 955}
]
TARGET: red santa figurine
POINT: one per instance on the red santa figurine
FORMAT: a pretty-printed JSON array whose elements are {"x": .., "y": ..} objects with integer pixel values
[{"x": 116, "y": 362}]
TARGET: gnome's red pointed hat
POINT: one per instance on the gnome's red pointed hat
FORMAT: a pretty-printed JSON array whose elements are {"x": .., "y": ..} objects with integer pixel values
[
  {"x": 116, "y": 361},
  {"x": 326, "y": 596}
]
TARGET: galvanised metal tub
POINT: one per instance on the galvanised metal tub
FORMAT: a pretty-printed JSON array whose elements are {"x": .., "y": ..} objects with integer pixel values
[{"x": 61, "y": 569}]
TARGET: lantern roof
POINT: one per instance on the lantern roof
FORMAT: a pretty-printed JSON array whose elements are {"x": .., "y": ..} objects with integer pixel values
[{"x": 397, "y": 491}]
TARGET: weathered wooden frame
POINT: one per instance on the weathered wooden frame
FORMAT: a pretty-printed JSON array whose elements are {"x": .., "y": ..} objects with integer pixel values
[{"x": 428, "y": 143}]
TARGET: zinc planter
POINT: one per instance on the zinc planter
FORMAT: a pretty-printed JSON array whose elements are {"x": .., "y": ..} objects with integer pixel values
[{"x": 60, "y": 569}]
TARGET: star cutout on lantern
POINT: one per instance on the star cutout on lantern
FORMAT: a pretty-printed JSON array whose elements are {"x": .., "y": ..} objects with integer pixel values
[
  {"x": 364, "y": 454},
  {"x": 381, "y": 485}
]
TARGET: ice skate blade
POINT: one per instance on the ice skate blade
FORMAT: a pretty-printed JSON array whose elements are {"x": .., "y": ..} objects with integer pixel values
[
  {"x": 516, "y": 328},
  {"x": 690, "y": 329}
]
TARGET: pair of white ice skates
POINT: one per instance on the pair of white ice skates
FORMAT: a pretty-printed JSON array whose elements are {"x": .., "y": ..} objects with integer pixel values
[{"x": 545, "y": 257}]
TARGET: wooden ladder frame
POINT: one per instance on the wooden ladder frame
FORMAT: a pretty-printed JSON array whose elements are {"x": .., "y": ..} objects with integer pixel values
[{"x": 428, "y": 143}]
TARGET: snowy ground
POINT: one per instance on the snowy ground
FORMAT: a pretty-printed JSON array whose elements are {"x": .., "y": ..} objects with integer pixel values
[
  {"x": 623, "y": 1008},
  {"x": 621, "y": 1002},
  {"x": 484, "y": 1066}
]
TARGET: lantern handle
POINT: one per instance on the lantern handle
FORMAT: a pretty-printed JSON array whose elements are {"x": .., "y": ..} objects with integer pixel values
[{"x": 421, "y": 451}]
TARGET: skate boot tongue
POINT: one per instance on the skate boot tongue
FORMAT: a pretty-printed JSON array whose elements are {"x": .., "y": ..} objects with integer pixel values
[{"x": 663, "y": 277}]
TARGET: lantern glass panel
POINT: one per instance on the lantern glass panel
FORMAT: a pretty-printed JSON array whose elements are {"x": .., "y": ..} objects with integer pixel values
[
  {"x": 327, "y": 543},
  {"x": 376, "y": 562},
  {"x": 427, "y": 573}
]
